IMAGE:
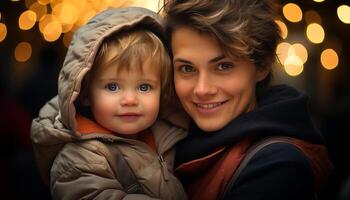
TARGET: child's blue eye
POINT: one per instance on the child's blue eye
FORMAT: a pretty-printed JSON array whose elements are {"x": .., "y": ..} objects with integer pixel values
[
  {"x": 145, "y": 87},
  {"x": 112, "y": 87}
]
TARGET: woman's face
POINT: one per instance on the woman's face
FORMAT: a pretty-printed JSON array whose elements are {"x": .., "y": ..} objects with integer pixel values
[{"x": 214, "y": 89}]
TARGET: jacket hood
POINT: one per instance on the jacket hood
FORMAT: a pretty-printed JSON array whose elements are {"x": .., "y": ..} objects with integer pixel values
[
  {"x": 56, "y": 123},
  {"x": 84, "y": 46},
  {"x": 282, "y": 111}
]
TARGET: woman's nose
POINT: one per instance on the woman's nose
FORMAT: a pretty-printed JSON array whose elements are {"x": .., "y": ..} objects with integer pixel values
[{"x": 204, "y": 86}]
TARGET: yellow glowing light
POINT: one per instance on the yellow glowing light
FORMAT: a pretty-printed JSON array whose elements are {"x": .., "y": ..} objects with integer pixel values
[
  {"x": 343, "y": 12},
  {"x": 329, "y": 59},
  {"x": 53, "y": 3},
  {"x": 67, "y": 27},
  {"x": 46, "y": 19},
  {"x": 154, "y": 5},
  {"x": 27, "y": 20},
  {"x": 3, "y": 31},
  {"x": 40, "y": 10},
  {"x": 98, "y": 5},
  {"x": 315, "y": 33},
  {"x": 78, "y": 3},
  {"x": 44, "y": 2},
  {"x": 283, "y": 27},
  {"x": 292, "y": 12},
  {"x": 293, "y": 65},
  {"x": 318, "y": 1},
  {"x": 23, "y": 51},
  {"x": 52, "y": 31},
  {"x": 299, "y": 50},
  {"x": 66, "y": 13},
  {"x": 282, "y": 51},
  {"x": 15, "y": 0},
  {"x": 86, "y": 15},
  {"x": 312, "y": 16},
  {"x": 29, "y": 2},
  {"x": 115, "y": 4}
]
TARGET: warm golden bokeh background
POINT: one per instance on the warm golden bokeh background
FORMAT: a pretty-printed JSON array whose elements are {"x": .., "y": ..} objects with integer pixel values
[{"x": 34, "y": 36}]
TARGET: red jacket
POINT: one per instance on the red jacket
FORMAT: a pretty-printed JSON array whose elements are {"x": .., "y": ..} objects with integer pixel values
[{"x": 211, "y": 174}]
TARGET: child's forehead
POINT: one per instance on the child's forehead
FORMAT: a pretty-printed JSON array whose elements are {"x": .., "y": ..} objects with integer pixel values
[{"x": 141, "y": 67}]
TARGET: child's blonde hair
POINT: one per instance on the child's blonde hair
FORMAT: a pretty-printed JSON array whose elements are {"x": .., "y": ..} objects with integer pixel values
[{"x": 133, "y": 48}]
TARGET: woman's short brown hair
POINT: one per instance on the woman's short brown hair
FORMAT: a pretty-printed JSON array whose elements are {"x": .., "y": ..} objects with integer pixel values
[{"x": 243, "y": 28}]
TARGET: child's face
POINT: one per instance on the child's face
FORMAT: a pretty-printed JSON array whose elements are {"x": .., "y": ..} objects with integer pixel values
[{"x": 126, "y": 102}]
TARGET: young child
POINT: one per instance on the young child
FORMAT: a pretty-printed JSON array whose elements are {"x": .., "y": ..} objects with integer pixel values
[{"x": 115, "y": 75}]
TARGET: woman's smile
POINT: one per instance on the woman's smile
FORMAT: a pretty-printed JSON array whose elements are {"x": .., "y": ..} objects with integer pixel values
[
  {"x": 213, "y": 88},
  {"x": 209, "y": 108}
]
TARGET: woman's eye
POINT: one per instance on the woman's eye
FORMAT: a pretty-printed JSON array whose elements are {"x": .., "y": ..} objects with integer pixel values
[
  {"x": 187, "y": 69},
  {"x": 225, "y": 66},
  {"x": 112, "y": 87},
  {"x": 145, "y": 87}
]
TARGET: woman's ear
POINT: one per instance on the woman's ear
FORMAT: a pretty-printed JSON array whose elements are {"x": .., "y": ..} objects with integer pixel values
[
  {"x": 264, "y": 70},
  {"x": 261, "y": 74}
]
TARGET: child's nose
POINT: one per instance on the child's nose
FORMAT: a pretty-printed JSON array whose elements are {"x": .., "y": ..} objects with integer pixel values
[{"x": 129, "y": 99}]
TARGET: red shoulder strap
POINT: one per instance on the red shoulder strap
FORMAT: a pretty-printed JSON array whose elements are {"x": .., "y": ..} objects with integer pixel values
[{"x": 316, "y": 153}]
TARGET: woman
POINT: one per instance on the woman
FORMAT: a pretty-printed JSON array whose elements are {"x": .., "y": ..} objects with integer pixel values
[{"x": 223, "y": 51}]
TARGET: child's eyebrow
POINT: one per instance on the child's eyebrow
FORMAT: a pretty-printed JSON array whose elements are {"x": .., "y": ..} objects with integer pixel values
[
  {"x": 147, "y": 80},
  {"x": 154, "y": 81},
  {"x": 106, "y": 79}
]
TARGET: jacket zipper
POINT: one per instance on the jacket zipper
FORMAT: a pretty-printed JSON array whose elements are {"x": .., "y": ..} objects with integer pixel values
[
  {"x": 164, "y": 168},
  {"x": 162, "y": 162}
]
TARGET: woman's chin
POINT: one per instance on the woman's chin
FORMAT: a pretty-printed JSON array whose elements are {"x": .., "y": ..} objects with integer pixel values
[{"x": 209, "y": 125}]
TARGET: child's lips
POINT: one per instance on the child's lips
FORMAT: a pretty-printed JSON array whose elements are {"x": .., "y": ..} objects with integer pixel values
[{"x": 129, "y": 117}]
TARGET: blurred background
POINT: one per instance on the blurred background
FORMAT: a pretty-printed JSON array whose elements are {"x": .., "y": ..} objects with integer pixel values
[{"x": 34, "y": 35}]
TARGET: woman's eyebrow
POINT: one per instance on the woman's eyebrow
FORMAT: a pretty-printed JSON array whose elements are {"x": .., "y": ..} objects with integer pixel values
[
  {"x": 213, "y": 60},
  {"x": 182, "y": 60},
  {"x": 217, "y": 58}
]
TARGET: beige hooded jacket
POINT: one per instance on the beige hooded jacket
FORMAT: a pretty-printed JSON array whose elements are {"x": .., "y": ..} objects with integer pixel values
[{"x": 74, "y": 164}]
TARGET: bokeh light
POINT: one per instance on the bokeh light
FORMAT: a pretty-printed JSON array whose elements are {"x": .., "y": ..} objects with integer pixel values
[
  {"x": 343, "y": 12},
  {"x": 45, "y": 20},
  {"x": 116, "y": 4},
  {"x": 23, "y": 51},
  {"x": 29, "y": 2},
  {"x": 283, "y": 27},
  {"x": 329, "y": 59},
  {"x": 150, "y": 4},
  {"x": 27, "y": 20},
  {"x": 3, "y": 32},
  {"x": 44, "y": 2},
  {"x": 282, "y": 51},
  {"x": 293, "y": 65},
  {"x": 40, "y": 10},
  {"x": 52, "y": 31},
  {"x": 292, "y": 12},
  {"x": 66, "y": 13},
  {"x": 318, "y": 1},
  {"x": 87, "y": 13},
  {"x": 315, "y": 33},
  {"x": 298, "y": 50}
]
